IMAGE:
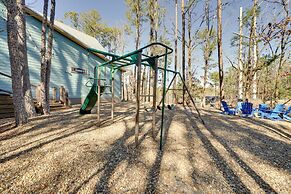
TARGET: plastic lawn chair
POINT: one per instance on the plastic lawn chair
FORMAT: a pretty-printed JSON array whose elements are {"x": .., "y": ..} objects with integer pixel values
[
  {"x": 262, "y": 109},
  {"x": 247, "y": 109},
  {"x": 276, "y": 113},
  {"x": 227, "y": 110},
  {"x": 238, "y": 108},
  {"x": 286, "y": 114}
]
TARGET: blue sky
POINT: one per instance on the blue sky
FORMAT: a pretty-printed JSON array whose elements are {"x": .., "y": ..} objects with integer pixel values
[{"x": 113, "y": 14}]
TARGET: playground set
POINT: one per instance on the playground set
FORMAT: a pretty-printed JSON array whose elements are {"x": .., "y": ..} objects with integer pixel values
[{"x": 138, "y": 58}]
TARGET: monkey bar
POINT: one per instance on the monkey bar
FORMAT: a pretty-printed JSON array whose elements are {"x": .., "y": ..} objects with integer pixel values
[{"x": 138, "y": 58}]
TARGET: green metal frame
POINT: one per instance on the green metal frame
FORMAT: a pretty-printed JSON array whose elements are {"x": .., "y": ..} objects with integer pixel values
[{"x": 128, "y": 59}]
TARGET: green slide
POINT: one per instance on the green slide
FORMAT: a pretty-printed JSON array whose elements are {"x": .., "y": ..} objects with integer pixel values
[{"x": 90, "y": 100}]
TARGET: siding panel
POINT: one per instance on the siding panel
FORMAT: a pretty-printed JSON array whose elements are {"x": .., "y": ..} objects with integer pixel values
[{"x": 66, "y": 54}]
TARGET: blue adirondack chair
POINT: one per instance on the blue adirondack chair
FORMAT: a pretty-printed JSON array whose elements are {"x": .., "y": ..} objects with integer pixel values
[
  {"x": 286, "y": 114},
  {"x": 238, "y": 108},
  {"x": 262, "y": 109},
  {"x": 247, "y": 109},
  {"x": 276, "y": 113},
  {"x": 227, "y": 110}
]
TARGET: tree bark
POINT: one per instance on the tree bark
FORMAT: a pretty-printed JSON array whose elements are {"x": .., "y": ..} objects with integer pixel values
[
  {"x": 176, "y": 47},
  {"x": 219, "y": 48},
  {"x": 255, "y": 49},
  {"x": 153, "y": 17},
  {"x": 189, "y": 51},
  {"x": 46, "y": 55},
  {"x": 28, "y": 99},
  {"x": 43, "y": 59},
  {"x": 49, "y": 52},
  {"x": 17, "y": 52},
  {"x": 240, "y": 64},
  {"x": 183, "y": 48},
  {"x": 283, "y": 43},
  {"x": 207, "y": 53}
]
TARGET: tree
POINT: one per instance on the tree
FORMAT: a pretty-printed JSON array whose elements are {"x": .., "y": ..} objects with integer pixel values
[
  {"x": 207, "y": 39},
  {"x": 74, "y": 18},
  {"x": 214, "y": 77},
  {"x": 90, "y": 22},
  {"x": 136, "y": 16},
  {"x": 207, "y": 36},
  {"x": 153, "y": 18},
  {"x": 219, "y": 48},
  {"x": 16, "y": 31},
  {"x": 46, "y": 55},
  {"x": 240, "y": 64},
  {"x": 176, "y": 47},
  {"x": 183, "y": 47},
  {"x": 284, "y": 40},
  {"x": 191, "y": 44}
]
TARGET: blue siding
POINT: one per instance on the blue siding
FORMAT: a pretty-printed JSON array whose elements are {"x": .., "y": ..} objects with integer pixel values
[{"x": 66, "y": 54}]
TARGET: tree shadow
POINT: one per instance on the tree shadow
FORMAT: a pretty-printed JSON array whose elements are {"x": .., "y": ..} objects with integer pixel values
[
  {"x": 154, "y": 173},
  {"x": 230, "y": 176},
  {"x": 80, "y": 128},
  {"x": 272, "y": 128},
  {"x": 51, "y": 119},
  {"x": 259, "y": 180},
  {"x": 273, "y": 151},
  {"x": 118, "y": 153},
  {"x": 248, "y": 146}
]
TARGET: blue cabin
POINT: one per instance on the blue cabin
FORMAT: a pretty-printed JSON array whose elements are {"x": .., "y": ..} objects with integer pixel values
[{"x": 72, "y": 63}]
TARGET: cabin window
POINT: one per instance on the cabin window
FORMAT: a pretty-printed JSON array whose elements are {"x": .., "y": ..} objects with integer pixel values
[{"x": 78, "y": 70}]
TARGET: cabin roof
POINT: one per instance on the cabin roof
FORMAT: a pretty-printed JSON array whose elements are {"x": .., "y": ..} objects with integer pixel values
[{"x": 78, "y": 37}]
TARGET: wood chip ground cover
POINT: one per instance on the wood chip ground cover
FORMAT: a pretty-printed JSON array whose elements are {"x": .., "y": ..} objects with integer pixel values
[{"x": 67, "y": 153}]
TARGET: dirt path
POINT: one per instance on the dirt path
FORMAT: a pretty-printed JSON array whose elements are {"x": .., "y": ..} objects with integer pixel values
[{"x": 66, "y": 153}]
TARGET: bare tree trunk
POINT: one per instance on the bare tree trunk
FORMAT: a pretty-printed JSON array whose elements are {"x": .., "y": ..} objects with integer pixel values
[
  {"x": 176, "y": 47},
  {"x": 240, "y": 65},
  {"x": 28, "y": 100},
  {"x": 189, "y": 51},
  {"x": 49, "y": 52},
  {"x": 206, "y": 53},
  {"x": 219, "y": 48},
  {"x": 255, "y": 49},
  {"x": 153, "y": 17},
  {"x": 17, "y": 52},
  {"x": 43, "y": 59},
  {"x": 206, "y": 66},
  {"x": 137, "y": 36},
  {"x": 283, "y": 43},
  {"x": 183, "y": 48}
]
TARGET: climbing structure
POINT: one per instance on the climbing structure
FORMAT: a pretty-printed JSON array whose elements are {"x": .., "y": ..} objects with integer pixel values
[{"x": 138, "y": 58}]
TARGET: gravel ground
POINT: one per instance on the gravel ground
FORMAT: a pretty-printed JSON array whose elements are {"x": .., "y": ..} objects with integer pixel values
[{"x": 66, "y": 153}]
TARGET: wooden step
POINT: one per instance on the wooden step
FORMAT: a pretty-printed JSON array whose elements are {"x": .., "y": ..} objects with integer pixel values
[
  {"x": 6, "y": 110},
  {"x": 6, "y": 106},
  {"x": 5, "y": 97},
  {"x": 6, "y": 115},
  {"x": 6, "y": 102}
]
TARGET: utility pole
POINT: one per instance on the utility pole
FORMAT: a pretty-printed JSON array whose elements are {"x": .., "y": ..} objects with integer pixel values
[{"x": 240, "y": 83}]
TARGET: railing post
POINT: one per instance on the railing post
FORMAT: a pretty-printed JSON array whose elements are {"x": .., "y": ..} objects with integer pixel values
[
  {"x": 98, "y": 95},
  {"x": 112, "y": 95},
  {"x": 54, "y": 94}
]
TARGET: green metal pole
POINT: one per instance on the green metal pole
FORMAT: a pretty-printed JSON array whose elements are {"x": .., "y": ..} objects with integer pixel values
[
  {"x": 98, "y": 94},
  {"x": 163, "y": 101}
]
